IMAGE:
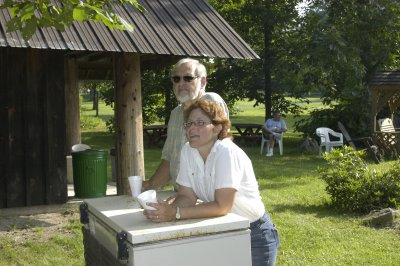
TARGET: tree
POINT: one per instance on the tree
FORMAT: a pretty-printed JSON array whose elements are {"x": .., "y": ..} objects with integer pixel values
[
  {"x": 27, "y": 16},
  {"x": 348, "y": 42},
  {"x": 268, "y": 26},
  {"x": 156, "y": 84},
  {"x": 333, "y": 47}
]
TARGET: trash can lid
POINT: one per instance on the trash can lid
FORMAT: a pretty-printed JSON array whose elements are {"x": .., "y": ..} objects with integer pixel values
[
  {"x": 80, "y": 147},
  {"x": 90, "y": 153}
]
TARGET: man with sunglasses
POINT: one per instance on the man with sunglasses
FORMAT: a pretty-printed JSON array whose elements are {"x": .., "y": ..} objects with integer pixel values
[{"x": 189, "y": 79}]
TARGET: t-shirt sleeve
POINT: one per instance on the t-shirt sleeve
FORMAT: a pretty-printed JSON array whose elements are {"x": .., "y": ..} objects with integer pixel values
[
  {"x": 268, "y": 123},
  {"x": 212, "y": 96},
  {"x": 228, "y": 170},
  {"x": 172, "y": 133},
  {"x": 184, "y": 168},
  {"x": 166, "y": 151}
]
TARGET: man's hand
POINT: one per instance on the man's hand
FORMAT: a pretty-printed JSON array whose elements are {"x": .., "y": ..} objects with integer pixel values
[
  {"x": 171, "y": 199},
  {"x": 146, "y": 185},
  {"x": 160, "y": 177}
]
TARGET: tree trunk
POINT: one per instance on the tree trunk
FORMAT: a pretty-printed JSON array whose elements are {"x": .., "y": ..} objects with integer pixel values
[
  {"x": 267, "y": 60},
  {"x": 95, "y": 99}
]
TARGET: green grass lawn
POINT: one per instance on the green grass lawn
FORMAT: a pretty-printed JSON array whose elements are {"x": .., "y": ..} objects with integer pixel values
[{"x": 311, "y": 232}]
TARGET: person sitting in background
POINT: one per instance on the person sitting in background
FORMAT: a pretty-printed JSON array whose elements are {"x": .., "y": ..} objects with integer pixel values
[
  {"x": 220, "y": 174},
  {"x": 272, "y": 130}
]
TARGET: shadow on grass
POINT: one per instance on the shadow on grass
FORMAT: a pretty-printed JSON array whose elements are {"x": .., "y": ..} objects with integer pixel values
[
  {"x": 288, "y": 168},
  {"x": 320, "y": 211},
  {"x": 19, "y": 223},
  {"x": 247, "y": 119},
  {"x": 280, "y": 185}
]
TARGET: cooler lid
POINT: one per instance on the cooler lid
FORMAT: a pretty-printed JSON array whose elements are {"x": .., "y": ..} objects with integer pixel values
[{"x": 123, "y": 213}]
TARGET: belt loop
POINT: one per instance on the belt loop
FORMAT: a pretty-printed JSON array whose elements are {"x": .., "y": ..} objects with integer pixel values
[
  {"x": 264, "y": 218},
  {"x": 256, "y": 223}
]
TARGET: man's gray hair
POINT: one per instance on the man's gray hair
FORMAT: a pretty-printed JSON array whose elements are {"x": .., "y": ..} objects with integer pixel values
[{"x": 200, "y": 69}]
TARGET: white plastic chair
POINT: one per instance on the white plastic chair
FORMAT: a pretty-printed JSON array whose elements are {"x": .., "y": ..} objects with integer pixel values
[
  {"x": 324, "y": 133},
  {"x": 265, "y": 140},
  {"x": 386, "y": 125}
]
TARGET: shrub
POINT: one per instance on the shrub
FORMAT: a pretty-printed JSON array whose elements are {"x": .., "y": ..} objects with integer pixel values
[
  {"x": 356, "y": 121},
  {"x": 355, "y": 188}
]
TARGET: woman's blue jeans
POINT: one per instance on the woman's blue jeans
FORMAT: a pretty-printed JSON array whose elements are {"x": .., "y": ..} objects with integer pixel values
[{"x": 264, "y": 241}]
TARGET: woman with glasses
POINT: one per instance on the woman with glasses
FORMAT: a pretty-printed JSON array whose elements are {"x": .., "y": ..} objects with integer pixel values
[{"x": 219, "y": 173}]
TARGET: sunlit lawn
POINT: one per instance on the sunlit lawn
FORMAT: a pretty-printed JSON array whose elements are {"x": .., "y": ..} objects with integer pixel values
[{"x": 311, "y": 232}]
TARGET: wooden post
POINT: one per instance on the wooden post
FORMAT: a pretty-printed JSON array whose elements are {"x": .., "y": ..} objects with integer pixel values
[
  {"x": 129, "y": 122},
  {"x": 374, "y": 108},
  {"x": 72, "y": 119}
]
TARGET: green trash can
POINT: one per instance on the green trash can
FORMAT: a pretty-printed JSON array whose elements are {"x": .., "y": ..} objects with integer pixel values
[{"x": 90, "y": 173}]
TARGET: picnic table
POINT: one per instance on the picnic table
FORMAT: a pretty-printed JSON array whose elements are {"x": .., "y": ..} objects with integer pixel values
[
  {"x": 248, "y": 132},
  {"x": 155, "y": 134}
]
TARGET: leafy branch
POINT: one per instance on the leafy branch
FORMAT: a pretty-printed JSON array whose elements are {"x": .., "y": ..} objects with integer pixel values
[{"x": 27, "y": 16}]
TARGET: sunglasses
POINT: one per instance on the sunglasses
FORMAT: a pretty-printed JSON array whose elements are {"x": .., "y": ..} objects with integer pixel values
[{"x": 177, "y": 79}]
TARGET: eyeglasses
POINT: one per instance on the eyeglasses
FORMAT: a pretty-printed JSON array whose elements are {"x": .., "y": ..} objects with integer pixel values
[
  {"x": 177, "y": 79},
  {"x": 198, "y": 123}
]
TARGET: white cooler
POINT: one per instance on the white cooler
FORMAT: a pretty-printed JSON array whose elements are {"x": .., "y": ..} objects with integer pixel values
[{"x": 116, "y": 232}]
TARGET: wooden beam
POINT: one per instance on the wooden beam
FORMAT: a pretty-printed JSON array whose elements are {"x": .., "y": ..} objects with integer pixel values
[
  {"x": 72, "y": 119},
  {"x": 54, "y": 132},
  {"x": 15, "y": 85},
  {"x": 158, "y": 61},
  {"x": 6, "y": 84},
  {"x": 95, "y": 65},
  {"x": 33, "y": 128},
  {"x": 128, "y": 108}
]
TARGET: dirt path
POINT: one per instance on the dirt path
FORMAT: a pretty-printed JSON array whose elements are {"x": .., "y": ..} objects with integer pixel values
[{"x": 23, "y": 224}]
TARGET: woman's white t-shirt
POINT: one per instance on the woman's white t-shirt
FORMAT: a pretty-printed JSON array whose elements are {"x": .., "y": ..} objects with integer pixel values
[{"x": 227, "y": 166}]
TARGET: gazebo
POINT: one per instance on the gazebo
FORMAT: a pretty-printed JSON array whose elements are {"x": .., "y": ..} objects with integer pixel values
[
  {"x": 39, "y": 97},
  {"x": 385, "y": 91}
]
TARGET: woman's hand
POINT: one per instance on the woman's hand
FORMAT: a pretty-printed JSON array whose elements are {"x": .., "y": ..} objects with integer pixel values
[{"x": 163, "y": 213}]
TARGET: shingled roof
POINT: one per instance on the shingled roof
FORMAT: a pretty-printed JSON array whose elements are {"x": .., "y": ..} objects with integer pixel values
[
  {"x": 170, "y": 27},
  {"x": 385, "y": 90},
  {"x": 388, "y": 77}
]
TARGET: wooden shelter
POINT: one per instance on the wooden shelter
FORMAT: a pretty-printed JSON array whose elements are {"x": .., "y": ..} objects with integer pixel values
[
  {"x": 385, "y": 91},
  {"x": 39, "y": 97}
]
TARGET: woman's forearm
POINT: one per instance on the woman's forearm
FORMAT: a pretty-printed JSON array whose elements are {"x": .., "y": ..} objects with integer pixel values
[
  {"x": 222, "y": 204},
  {"x": 203, "y": 210}
]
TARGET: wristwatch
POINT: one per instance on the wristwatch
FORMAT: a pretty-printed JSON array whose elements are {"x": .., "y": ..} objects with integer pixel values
[{"x": 178, "y": 214}]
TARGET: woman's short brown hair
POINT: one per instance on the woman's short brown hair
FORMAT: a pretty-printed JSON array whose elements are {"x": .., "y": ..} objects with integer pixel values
[{"x": 214, "y": 111}]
